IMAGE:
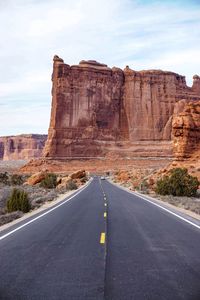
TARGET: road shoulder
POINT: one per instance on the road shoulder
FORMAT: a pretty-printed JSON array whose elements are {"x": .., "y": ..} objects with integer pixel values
[{"x": 182, "y": 213}]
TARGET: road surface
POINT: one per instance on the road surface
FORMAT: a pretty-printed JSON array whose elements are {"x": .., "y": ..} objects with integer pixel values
[{"x": 104, "y": 243}]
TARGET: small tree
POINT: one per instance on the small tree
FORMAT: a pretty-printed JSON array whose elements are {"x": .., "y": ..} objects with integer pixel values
[
  {"x": 178, "y": 183},
  {"x": 18, "y": 200},
  {"x": 49, "y": 182}
]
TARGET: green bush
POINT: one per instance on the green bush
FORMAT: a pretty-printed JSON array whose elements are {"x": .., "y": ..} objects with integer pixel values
[
  {"x": 49, "y": 182},
  {"x": 18, "y": 200},
  {"x": 162, "y": 186},
  {"x": 178, "y": 183},
  {"x": 71, "y": 185}
]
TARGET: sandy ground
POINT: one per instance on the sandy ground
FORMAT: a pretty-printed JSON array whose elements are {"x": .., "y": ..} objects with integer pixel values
[
  {"x": 185, "y": 211},
  {"x": 11, "y": 165},
  {"x": 94, "y": 166}
]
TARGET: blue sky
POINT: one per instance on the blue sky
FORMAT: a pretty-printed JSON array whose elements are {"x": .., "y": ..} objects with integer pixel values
[{"x": 144, "y": 34}]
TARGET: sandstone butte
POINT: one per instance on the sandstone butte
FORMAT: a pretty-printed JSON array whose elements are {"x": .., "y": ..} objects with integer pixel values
[
  {"x": 23, "y": 146},
  {"x": 99, "y": 112}
]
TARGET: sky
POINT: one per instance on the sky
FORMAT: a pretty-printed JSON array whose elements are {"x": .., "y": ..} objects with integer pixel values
[{"x": 144, "y": 34}]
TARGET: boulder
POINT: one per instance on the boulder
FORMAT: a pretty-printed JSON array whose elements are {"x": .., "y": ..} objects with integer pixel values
[
  {"x": 78, "y": 175},
  {"x": 186, "y": 130},
  {"x": 36, "y": 178},
  {"x": 63, "y": 182}
]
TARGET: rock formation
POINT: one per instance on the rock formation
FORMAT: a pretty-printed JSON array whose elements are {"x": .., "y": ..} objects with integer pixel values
[
  {"x": 186, "y": 129},
  {"x": 100, "y": 112},
  {"x": 23, "y": 146}
]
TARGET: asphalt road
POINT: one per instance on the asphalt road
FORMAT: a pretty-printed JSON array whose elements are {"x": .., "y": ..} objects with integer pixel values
[{"x": 147, "y": 253}]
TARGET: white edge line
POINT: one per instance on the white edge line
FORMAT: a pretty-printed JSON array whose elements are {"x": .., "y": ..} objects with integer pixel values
[
  {"x": 169, "y": 211},
  {"x": 45, "y": 213}
]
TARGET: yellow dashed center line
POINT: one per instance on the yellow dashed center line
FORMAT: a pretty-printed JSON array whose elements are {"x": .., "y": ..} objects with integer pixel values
[
  {"x": 102, "y": 238},
  {"x": 105, "y": 214}
]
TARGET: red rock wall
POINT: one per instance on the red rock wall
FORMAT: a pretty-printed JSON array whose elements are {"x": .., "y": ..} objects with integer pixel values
[
  {"x": 98, "y": 111},
  {"x": 86, "y": 109},
  {"x": 149, "y": 98},
  {"x": 22, "y": 146}
]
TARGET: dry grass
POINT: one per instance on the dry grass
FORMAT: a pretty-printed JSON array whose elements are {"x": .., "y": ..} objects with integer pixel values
[
  {"x": 9, "y": 217},
  {"x": 188, "y": 203}
]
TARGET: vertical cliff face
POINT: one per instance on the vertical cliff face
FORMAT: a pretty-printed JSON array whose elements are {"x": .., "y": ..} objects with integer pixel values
[
  {"x": 149, "y": 100},
  {"x": 86, "y": 108},
  {"x": 24, "y": 146},
  {"x": 97, "y": 110}
]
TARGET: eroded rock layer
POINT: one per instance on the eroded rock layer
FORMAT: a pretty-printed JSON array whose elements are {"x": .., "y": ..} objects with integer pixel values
[
  {"x": 98, "y": 111},
  {"x": 186, "y": 129},
  {"x": 23, "y": 146}
]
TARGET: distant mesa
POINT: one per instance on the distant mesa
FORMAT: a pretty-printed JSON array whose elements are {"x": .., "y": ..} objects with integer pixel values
[{"x": 24, "y": 146}]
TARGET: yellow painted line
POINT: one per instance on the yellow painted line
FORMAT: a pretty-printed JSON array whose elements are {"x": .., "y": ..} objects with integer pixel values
[
  {"x": 102, "y": 238},
  {"x": 105, "y": 214}
]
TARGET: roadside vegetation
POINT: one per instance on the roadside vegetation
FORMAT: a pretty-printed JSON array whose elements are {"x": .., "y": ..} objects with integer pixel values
[
  {"x": 20, "y": 194},
  {"x": 50, "y": 181},
  {"x": 178, "y": 183},
  {"x": 177, "y": 187},
  {"x": 12, "y": 179},
  {"x": 18, "y": 200}
]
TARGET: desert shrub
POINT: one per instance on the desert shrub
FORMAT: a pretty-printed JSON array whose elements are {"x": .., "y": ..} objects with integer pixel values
[
  {"x": 6, "y": 218},
  {"x": 144, "y": 186},
  {"x": 50, "y": 181},
  {"x": 18, "y": 200},
  {"x": 4, "y": 178},
  {"x": 162, "y": 186},
  {"x": 38, "y": 195},
  {"x": 4, "y": 194},
  {"x": 71, "y": 185},
  {"x": 16, "y": 179},
  {"x": 178, "y": 183}
]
